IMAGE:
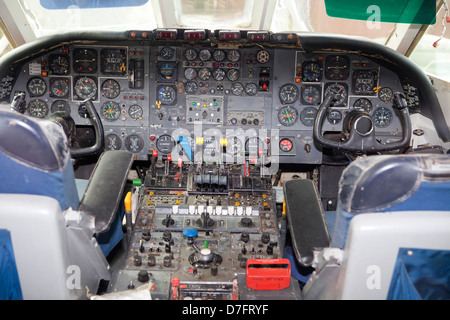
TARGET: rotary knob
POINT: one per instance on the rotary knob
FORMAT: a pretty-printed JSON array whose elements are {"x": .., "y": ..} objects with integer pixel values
[{"x": 246, "y": 222}]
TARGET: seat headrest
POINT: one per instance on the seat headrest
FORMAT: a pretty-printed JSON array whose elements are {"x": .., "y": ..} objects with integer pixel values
[{"x": 41, "y": 144}]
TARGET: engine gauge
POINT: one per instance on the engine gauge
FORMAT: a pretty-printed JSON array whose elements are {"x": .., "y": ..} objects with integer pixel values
[
  {"x": 237, "y": 88},
  {"x": 110, "y": 89},
  {"x": 233, "y": 55},
  {"x": 308, "y": 116},
  {"x": 311, "y": 94},
  {"x": 85, "y": 60},
  {"x": 312, "y": 72},
  {"x": 113, "y": 142},
  {"x": 114, "y": 61},
  {"x": 190, "y": 54},
  {"x": 110, "y": 111},
  {"x": 363, "y": 105},
  {"x": 136, "y": 112},
  {"x": 85, "y": 88},
  {"x": 382, "y": 117},
  {"x": 288, "y": 93},
  {"x": 218, "y": 74},
  {"x": 38, "y": 108},
  {"x": 386, "y": 94},
  {"x": 251, "y": 89},
  {"x": 59, "y": 87},
  {"x": 59, "y": 64},
  {"x": 334, "y": 117},
  {"x": 233, "y": 74},
  {"x": 60, "y": 106},
  {"x": 288, "y": 116},
  {"x": 165, "y": 144},
  {"x": 36, "y": 87},
  {"x": 337, "y": 67},
  {"x": 204, "y": 74},
  {"x": 167, "y": 53},
  {"x": 286, "y": 145},
  {"x": 340, "y": 90},
  {"x": 364, "y": 82},
  {"x": 219, "y": 55},
  {"x": 167, "y": 95},
  {"x": 190, "y": 73},
  {"x": 204, "y": 55},
  {"x": 191, "y": 87},
  {"x": 134, "y": 143}
]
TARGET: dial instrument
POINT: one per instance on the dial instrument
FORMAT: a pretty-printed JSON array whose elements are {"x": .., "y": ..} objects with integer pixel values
[
  {"x": 204, "y": 55},
  {"x": 219, "y": 55},
  {"x": 165, "y": 144},
  {"x": 340, "y": 90},
  {"x": 191, "y": 87},
  {"x": 60, "y": 106},
  {"x": 286, "y": 145},
  {"x": 38, "y": 108},
  {"x": 334, "y": 117},
  {"x": 237, "y": 88},
  {"x": 110, "y": 111},
  {"x": 288, "y": 116},
  {"x": 288, "y": 93},
  {"x": 167, "y": 71},
  {"x": 312, "y": 72},
  {"x": 85, "y": 60},
  {"x": 134, "y": 143},
  {"x": 113, "y": 142},
  {"x": 59, "y": 87},
  {"x": 308, "y": 116},
  {"x": 218, "y": 74},
  {"x": 386, "y": 94},
  {"x": 233, "y": 55},
  {"x": 364, "y": 82},
  {"x": 190, "y": 54},
  {"x": 382, "y": 117},
  {"x": 204, "y": 74},
  {"x": 110, "y": 89},
  {"x": 190, "y": 73},
  {"x": 233, "y": 74},
  {"x": 59, "y": 64},
  {"x": 114, "y": 61},
  {"x": 167, "y": 53},
  {"x": 311, "y": 94},
  {"x": 167, "y": 95},
  {"x": 36, "y": 87},
  {"x": 363, "y": 105},
  {"x": 136, "y": 112},
  {"x": 251, "y": 89},
  {"x": 337, "y": 67},
  {"x": 85, "y": 88}
]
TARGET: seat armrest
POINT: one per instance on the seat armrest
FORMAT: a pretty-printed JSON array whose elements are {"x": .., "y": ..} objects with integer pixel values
[
  {"x": 105, "y": 188},
  {"x": 306, "y": 220}
]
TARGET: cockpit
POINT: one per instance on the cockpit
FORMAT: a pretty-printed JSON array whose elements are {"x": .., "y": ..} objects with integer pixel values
[{"x": 224, "y": 150}]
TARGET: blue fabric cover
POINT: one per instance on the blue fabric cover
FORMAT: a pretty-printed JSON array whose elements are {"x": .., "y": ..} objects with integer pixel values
[
  {"x": 108, "y": 240},
  {"x": 421, "y": 274},
  {"x": 9, "y": 278}
]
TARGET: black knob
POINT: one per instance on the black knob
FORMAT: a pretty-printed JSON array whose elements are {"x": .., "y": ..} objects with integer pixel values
[
  {"x": 167, "y": 236},
  {"x": 151, "y": 260},
  {"x": 146, "y": 235},
  {"x": 265, "y": 238},
  {"x": 137, "y": 260},
  {"x": 168, "y": 221},
  {"x": 167, "y": 261},
  {"x": 246, "y": 222},
  {"x": 143, "y": 276},
  {"x": 245, "y": 237}
]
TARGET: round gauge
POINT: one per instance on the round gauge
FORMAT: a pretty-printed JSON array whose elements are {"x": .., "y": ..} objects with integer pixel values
[
  {"x": 165, "y": 144},
  {"x": 166, "y": 71},
  {"x": 204, "y": 74},
  {"x": 308, "y": 116},
  {"x": 233, "y": 55},
  {"x": 59, "y": 87},
  {"x": 382, "y": 117},
  {"x": 312, "y": 72},
  {"x": 311, "y": 94},
  {"x": 191, "y": 87},
  {"x": 263, "y": 56},
  {"x": 288, "y": 93},
  {"x": 60, "y": 106},
  {"x": 85, "y": 60},
  {"x": 251, "y": 89},
  {"x": 190, "y": 73},
  {"x": 234, "y": 145},
  {"x": 288, "y": 116},
  {"x": 36, "y": 87},
  {"x": 85, "y": 88},
  {"x": 167, "y": 95},
  {"x": 334, "y": 117},
  {"x": 134, "y": 143},
  {"x": 233, "y": 74},
  {"x": 204, "y": 55},
  {"x": 363, "y": 105},
  {"x": 190, "y": 54},
  {"x": 110, "y": 89},
  {"x": 136, "y": 112},
  {"x": 59, "y": 64},
  {"x": 339, "y": 90},
  {"x": 219, "y": 55},
  {"x": 253, "y": 146},
  {"x": 82, "y": 111},
  {"x": 37, "y": 108},
  {"x": 286, "y": 145},
  {"x": 386, "y": 94},
  {"x": 113, "y": 142},
  {"x": 114, "y": 61},
  {"x": 110, "y": 111},
  {"x": 218, "y": 74},
  {"x": 337, "y": 67},
  {"x": 166, "y": 53},
  {"x": 364, "y": 82},
  {"x": 237, "y": 88}
]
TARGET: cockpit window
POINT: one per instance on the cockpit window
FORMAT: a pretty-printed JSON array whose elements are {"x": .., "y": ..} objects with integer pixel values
[{"x": 90, "y": 4}]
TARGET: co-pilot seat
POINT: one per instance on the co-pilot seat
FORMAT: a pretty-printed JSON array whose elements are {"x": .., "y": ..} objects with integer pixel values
[
  {"x": 52, "y": 231},
  {"x": 391, "y": 234}
]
